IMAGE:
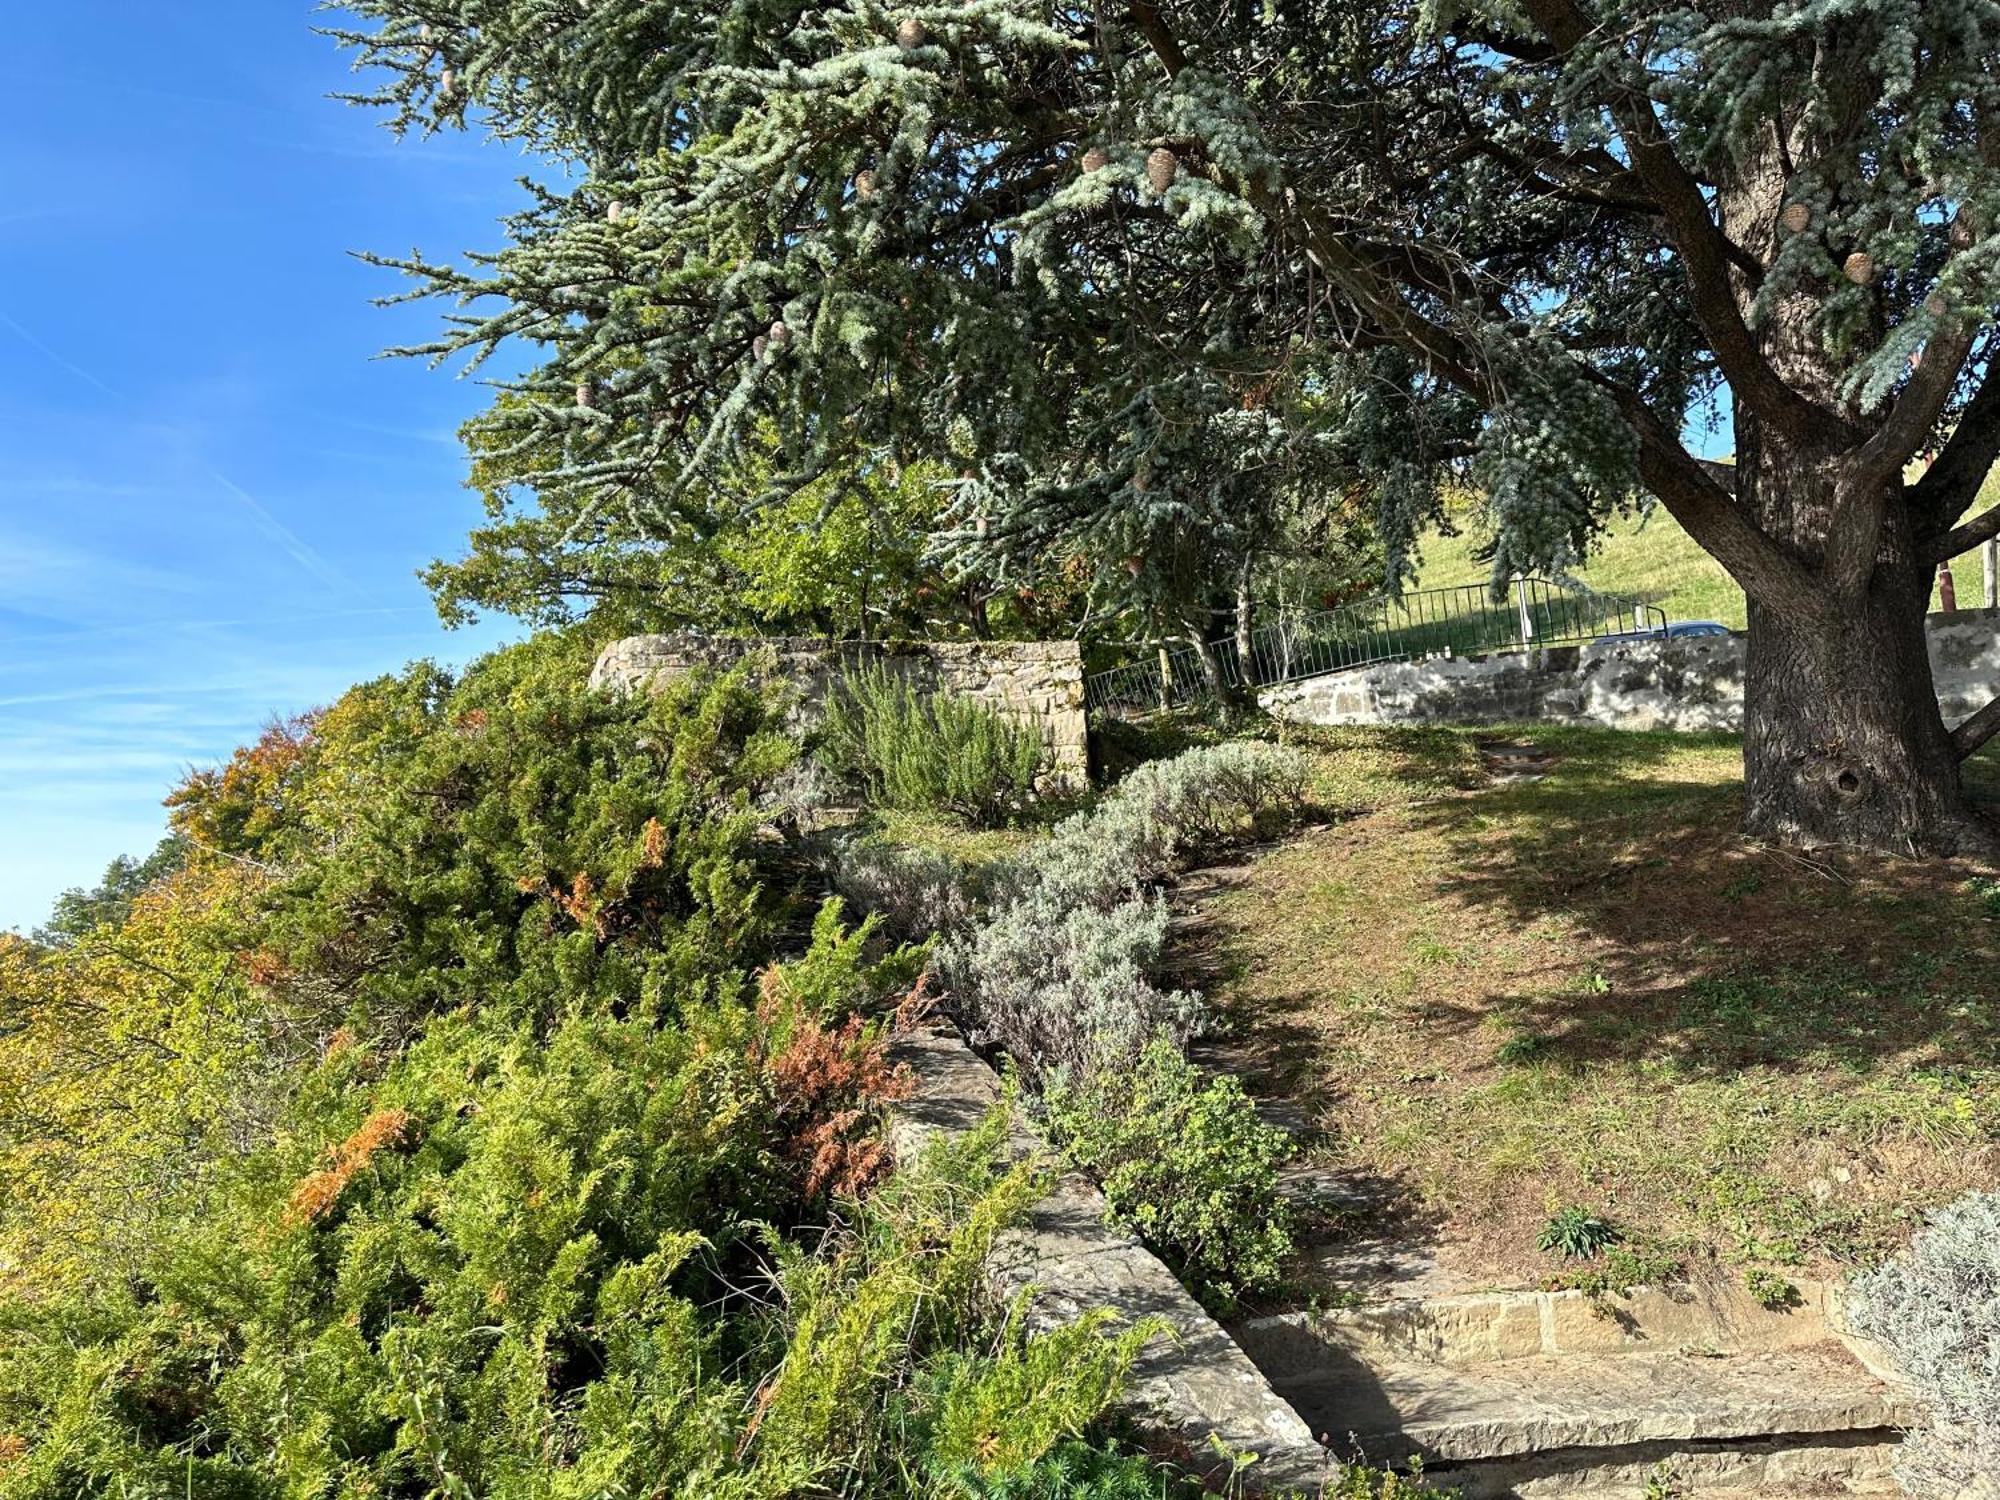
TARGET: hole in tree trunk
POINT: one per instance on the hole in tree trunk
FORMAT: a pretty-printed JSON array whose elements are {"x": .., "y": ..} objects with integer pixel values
[{"x": 1850, "y": 785}]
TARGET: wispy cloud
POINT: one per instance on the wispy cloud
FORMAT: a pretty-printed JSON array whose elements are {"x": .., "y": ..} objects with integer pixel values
[
  {"x": 60, "y": 360},
  {"x": 287, "y": 540}
]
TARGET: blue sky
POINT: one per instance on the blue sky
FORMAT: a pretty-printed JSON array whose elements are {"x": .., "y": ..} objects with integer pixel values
[{"x": 212, "y": 497}]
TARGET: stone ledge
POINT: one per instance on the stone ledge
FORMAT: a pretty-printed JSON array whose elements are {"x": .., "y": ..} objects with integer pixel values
[
  {"x": 1546, "y": 1404},
  {"x": 1485, "y": 1327},
  {"x": 1182, "y": 1392}
]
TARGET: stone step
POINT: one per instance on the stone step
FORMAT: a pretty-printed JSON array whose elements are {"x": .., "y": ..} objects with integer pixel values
[
  {"x": 1536, "y": 1405},
  {"x": 1850, "y": 1465},
  {"x": 1482, "y": 1327}
]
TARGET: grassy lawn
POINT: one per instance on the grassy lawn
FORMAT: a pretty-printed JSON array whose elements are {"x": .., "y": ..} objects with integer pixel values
[
  {"x": 1652, "y": 560},
  {"x": 1504, "y": 998}
]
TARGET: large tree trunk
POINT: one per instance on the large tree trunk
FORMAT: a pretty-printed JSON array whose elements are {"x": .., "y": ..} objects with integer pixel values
[
  {"x": 1843, "y": 740},
  {"x": 1843, "y": 743}
]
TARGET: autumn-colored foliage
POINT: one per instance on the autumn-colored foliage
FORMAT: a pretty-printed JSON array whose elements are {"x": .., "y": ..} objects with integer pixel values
[
  {"x": 829, "y": 1085},
  {"x": 340, "y": 1161},
  {"x": 241, "y": 806},
  {"x": 318, "y": 1193}
]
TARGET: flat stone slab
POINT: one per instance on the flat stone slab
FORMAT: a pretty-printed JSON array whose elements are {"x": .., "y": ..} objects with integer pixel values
[
  {"x": 1389, "y": 1412},
  {"x": 1713, "y": 1316},
  {"x": 1190, "y": 1392}
]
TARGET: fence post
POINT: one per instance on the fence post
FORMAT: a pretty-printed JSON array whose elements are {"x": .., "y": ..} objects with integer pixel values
[
  {"x": 1989, "y": 552},
  {"x": 1521, "y": 609}
]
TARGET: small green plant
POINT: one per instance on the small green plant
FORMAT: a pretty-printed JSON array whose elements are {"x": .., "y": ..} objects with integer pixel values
[
  {"x": 1576, "y": 1234},
  {"x": 1185, "y": 1161},
  {"x": 1521, "y": 1049},
  {"x": 1622, "y": 1268},
  {"x": 1741, "y": 886},
  {"x": 1987, "y": 891},
  {"x": 929, "y": 751},
  {"x": 1771, "y": 1290},
  {"x": 1663, "y": 1483}
]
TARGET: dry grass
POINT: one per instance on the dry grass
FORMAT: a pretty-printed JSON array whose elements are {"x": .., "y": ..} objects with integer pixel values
[{"x": 1589, "y": 990}]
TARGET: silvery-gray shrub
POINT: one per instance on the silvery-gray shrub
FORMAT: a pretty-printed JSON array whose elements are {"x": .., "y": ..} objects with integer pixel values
[
  {"x": 1068, "y": 989},
  {"x": 1936, "y": 1308},
  {"x": 918, "y": 893},
  {"x": 1063, "y": 974},
  {"x": 1165, "y": 814}
]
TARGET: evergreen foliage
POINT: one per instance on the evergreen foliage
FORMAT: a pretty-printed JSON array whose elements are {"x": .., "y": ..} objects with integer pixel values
[
  {"x": 1149, "y": 283},
  {"x": 1045, "y": 237},
  {"x": 445, "y": 1127},
  {"x": 845, "y": 555},
  {"x": 930, "y": 751}
]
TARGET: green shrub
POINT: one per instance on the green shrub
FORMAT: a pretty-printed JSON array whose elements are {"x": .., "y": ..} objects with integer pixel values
[
  {"x": 1186, "y": 1162},
  {"x": 1521, "y": 1049},
  {"x": 930, "y": 751},
  {"x": 1772, "y": 1290},
  {"x": 513, "y": 1167},
  {"x": 1077, "y": 1470},
  {"x": 1576, "y": 1234}
]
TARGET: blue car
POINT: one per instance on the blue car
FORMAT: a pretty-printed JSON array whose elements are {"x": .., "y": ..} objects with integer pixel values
[{"x": 1679, "y": 630}]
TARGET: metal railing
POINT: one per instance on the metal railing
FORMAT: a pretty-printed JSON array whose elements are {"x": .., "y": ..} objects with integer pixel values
[{"x": 1463, "y": 621}]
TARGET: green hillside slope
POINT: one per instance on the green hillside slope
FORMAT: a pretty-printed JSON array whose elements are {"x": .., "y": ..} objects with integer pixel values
[{"x": 1651, "y": 559}]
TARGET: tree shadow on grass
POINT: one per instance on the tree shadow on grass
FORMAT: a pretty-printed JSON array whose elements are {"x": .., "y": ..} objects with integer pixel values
[{"x": 1710, "y": 953}]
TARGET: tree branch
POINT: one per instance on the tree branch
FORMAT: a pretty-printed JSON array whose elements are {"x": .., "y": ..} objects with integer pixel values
[
  {"x": 1981, "y": 528},
  {"x": 1977, "y": 730},
  {"x": 1704, "y": 249},
  {"x": 1709, "y": 513},
  {"x": 1159, "y": 36},
  {"x": 1922, "y": 401},
  {"x": 1703, "y": 507},
  {"x": 1952, "y": 483}
]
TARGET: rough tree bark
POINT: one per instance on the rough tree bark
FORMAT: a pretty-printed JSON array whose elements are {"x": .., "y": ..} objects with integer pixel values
[
  {"x": 1844, "y": 743},
  {"x": 1843, "y": 740}
]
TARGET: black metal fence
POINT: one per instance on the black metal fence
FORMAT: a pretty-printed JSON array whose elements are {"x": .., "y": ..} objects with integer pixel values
[{"x": 1463, "y": 621}]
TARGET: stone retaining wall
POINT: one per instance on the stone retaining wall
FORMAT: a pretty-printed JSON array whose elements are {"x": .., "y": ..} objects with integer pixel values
[
  {"x": 1183, "y": 1392},
  {"x": 1039, "y": 680},
  {"x": 1694, "y": 683}
]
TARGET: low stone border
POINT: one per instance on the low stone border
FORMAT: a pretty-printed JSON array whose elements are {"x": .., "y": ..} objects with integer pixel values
[{"x": 1183, "y": 1392}]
